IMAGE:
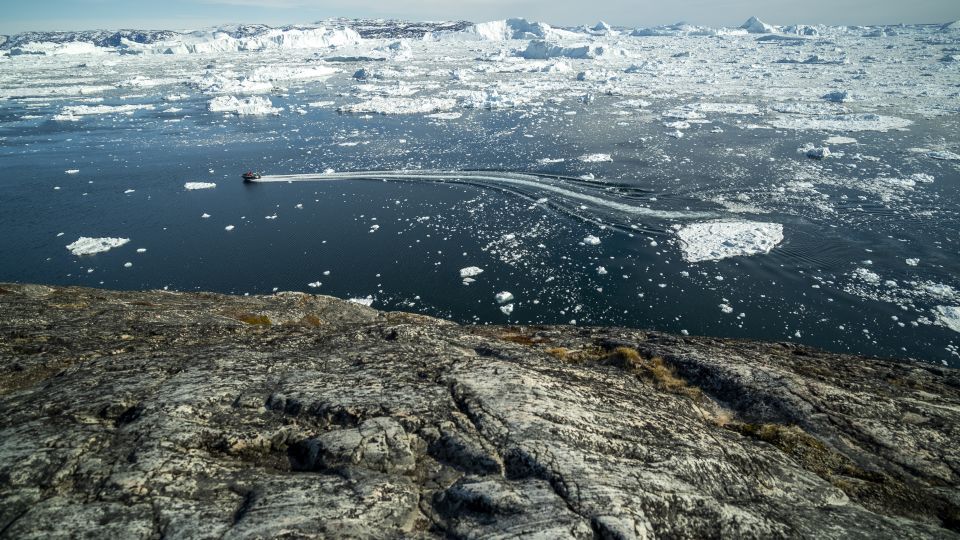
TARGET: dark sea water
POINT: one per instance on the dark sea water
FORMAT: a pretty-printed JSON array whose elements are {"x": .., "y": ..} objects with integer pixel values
[{"x": 403, "y": 243}]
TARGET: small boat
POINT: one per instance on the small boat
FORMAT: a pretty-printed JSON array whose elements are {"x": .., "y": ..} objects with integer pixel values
[{"x": 250, "y": 175}]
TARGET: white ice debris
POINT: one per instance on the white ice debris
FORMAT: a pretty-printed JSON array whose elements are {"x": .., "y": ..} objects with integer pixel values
[
  {"x": 595, "y": 158},
  {"x": 841, "y": 122},
  {"x": 715, "y": 240},
  {"x": 254, "y": 106},
  {"x": 912, "y": 262},
  {"x": 368, "y": 301},
  {"x": 543, "y": 50},
  {"x": 591, "y": 240},
  {"x": 838, "y": 139},
  {"x": 818, "y": 152},
  {"x": 73, "y": 111},
  {"x": 503, "y": 297},
  {"x": 470, "y": 271},
  {"x": 949, "y": 316},
  {"x": 72, "y": 171},
  {"x": 229, "y": 228},
  {"x": 86, "y": 245},
  {"x": 507, "y": 309},
  {"x": 199, "y": 185},
  {"x": 400, "y": 105}
]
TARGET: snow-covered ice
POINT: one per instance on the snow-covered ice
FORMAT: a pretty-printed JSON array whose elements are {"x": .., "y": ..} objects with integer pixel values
[
  {"x": 716, "y": 240},
  {"x": 86, "y": 245},
  {"x": 249, "y": 106},
  {"x": 199, "y": 185}
]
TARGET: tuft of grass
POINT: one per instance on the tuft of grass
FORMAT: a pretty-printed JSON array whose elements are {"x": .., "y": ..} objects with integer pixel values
[
  {"x": 254, "y": 319},
  {"x": 311, "y": 320},
  {"x": 654, "y": 369}
]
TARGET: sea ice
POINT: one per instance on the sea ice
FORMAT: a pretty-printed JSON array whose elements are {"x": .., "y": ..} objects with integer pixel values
[
  {"x": 949, "y": 316},
  {"x": 470, "y": 271},
  {"x": 199, "y": 185},
  {"x": 507, "y": 309},
  {"x": 591, "y": 240},
  {"x": 504, "y": 297},
  {"x": 595, "y": 158},
  {"x": 243, "y": 106},
  {"x": 716, "y": 240},
  {"x": 86, "y": 245},
  {"x": 400, "y": 105}
]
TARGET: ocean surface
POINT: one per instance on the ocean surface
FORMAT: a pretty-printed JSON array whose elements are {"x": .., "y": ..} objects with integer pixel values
[{"x": 572, "y": 202}]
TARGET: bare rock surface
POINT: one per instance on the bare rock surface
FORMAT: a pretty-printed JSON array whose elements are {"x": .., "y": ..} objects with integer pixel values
[{"x": 195, "y": 415}]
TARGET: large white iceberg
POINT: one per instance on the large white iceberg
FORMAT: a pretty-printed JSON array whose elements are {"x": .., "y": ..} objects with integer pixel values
[
  {"x": 503, "y": 30},
  {"x": 756, "y": 26},
  {"x": 214, "y": 42}
]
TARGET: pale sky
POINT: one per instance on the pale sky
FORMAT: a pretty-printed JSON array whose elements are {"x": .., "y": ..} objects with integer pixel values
[{"x": 19, "y": 15}]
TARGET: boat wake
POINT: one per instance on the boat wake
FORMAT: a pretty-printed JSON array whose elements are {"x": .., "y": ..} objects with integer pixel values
[{"x": 593, "y": 201}]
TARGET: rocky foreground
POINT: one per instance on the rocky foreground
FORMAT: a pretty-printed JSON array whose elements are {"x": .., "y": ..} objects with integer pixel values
[{"x": 173, "y": 415}]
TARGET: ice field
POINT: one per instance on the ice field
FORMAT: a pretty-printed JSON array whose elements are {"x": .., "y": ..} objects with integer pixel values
[{"x": 790, "y": 183}]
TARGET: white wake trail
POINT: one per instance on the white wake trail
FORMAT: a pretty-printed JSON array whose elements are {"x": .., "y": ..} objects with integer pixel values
[{"x": 491, "y": 178}]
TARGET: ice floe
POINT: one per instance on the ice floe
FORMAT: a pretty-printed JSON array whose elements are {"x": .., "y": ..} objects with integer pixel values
[
  {"x": 199, "y": 185},
  {"x": 716, "y": 240},
  {"x": 86, "y": 245},
  {"x": 249, "y": 106}
]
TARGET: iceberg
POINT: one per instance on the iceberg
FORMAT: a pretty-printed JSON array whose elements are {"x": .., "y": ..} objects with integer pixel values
[
  {"x": 756, "y": 26},
  {"x": 503, "y": 30}
]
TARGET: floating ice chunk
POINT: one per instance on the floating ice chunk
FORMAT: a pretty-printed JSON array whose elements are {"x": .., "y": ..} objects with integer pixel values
[
  {"x": 949, "y": 316},
  {"x": 601, "y": 271},
  {"x": 841, "y": 122},
  {"x": 595, "y": 158},
  {"x": 320, "y": 103},
  {"x": 229, "y": 228},
  {"x": 912, "y": 262},
  {"x": 944, "y": 155},
  {"x": 591, "y": 240},
  {"x": 199, "y": 185},
  {"x": 726, "y": 308},
  {"x": 836, "y": 139},
  {"x": 818, "y": 152},
  {"x": 716, "y": 240},
  {"x": 507, "y": 309},
  {"x": 72, "y": 171},
  {"x": 368, "y": 301},
  {"x": 86, "y": 245},
  {"x": 205, "y": 215},
  {"x": 444, "y": 115},
  {"x": 543, "y": 50},
  {"x": 252, "y": 106},
  {"x": 837, "y": 96},
  {"x": 400, "y": 105},
  {"x": 73, "y": 111},
  {"x": 504, "y": 297},
  {"x": 314, "y": 284},
  {"x": 470, "y": 271},
  {"x": 866, "y": 275},
  {"x": 128, "y": 265}
]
